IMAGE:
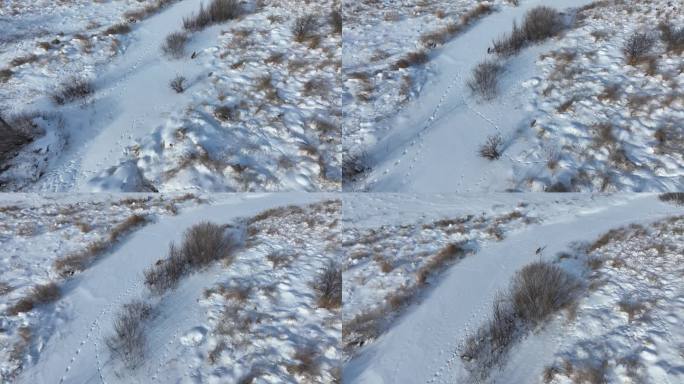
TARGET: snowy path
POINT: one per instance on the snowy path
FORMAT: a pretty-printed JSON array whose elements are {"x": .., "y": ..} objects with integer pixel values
[
  {"x": 132, "y": 98},
  {"x": 434, "y": 142},
  {"x": 76, "y": 352},
  {"x": 423, "y": 346}
]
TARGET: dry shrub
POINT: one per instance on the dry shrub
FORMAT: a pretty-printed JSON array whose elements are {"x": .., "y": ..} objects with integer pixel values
[
  {"x": 446, "y": 255},
  {"x": 202, "y": 244},
  {"x": 541, "y": 289},
  {"x": 79, "y": 261},
  {"x": 536, "y": 291},
  {"x": 541, "y": 23},
  {"x": 672, "y": 37},
  {"x": 328, "y": 286},
  {"x": 217, "y": 12},
  {"x": 174, "y": 44},
  {"x": 307, "y": 362},
  {"x": 304, "y": 27},
  {"x": 5, "y": 74},
  {"x": 5, "y": 288},
  {"x": 19, "y": 131},
  {"x": 72, "y": 90},
  {"x": 491, "y": 150},
  {"x": 484, "y": 79},
  {"x": 129, "y": 339},
  {"x": 178, "y": 84},
  {"x": 354, "y": 165},
  {"x": 226, "y": 113},
  {"x": 412, "y": 59},
  {"x": 38, "y": 295},
  {"x": 118, "y": 29},
  {"x": 637, "y": 47},
  {"x": 336, "y": 21},
  {"x": 21, "y": 60},
  {"x": 672, "y": 197}
]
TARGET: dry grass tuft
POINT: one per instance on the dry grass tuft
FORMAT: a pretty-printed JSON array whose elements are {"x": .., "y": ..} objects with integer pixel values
[
  {"x": 328, "y": 286},
  {"x": 72, "y": 90}
]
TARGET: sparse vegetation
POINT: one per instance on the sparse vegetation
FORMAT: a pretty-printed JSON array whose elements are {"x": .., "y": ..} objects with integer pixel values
[
  {"x": 178, "y": 84},
  {"x": 174, "y": 45},
  {"x": 38, "y": 295},
  {"x": 72, "y": 90},
  {"x": 328, "y": 286},
  {"x": 540, "y": 23},
  {"x": 217, "y": 12},
  {"x": 484, "y": 80},
  {"x": 19, "y": 131},
  {"x": 354, "y": 165},
  {"x": 672, "y": 37},
  {"x": 412, "y": 59},
  {"x": 673, "y": 197},
  {"x": 637, "y": 47},
  {"x": 118, "y": 29},
  {"x": 304, "y": 27},
  {"x": 492, "y": 149},
  {"x": 129, "y": 339},
  {"x": 202, "y": 244},
  {"x": 536, "y": 291}
]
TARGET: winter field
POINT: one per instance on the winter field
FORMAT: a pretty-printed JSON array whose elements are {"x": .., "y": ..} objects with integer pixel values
[
  {"x": 577, "y": 96},
  {"x": 163, "y": 95},
  {"x": 250, "y": 292}
]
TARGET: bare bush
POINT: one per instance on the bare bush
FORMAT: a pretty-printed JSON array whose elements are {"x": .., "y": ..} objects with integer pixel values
[
  {"x": 202, "y": 244},
  {"x": 541, "y": 23},
  {"x": 637, "y": 47},
  {"x": 354, "y": 165},
  {"x": 5, "y": 74},
  {"x": 72, "y": 90},
  {"x": 336, "y": 21},
  {"x": 226, "y": 113},
  {"x": 129, "y": 339},
  {"x": 118, "y": 29},
  {"x": 492, "y": 149},
  {"x": 536, "y": 291},
  {"x": 304, "y": 27},
  {"x": 672, "y": 197},
  {"x": 178, "y": 84},
  {"x": 217, "y": 12},
  {"x": 38, "y": 295},
  {"x": 166, "y": 273},
  {"x": 484, "y": 80},
  {"x": 412, "y": 59},
  {"x": 328, "y": 286},
  {"x": 541, "y": 289},
  {"x": 509, "y": 45},
  {"x": 19, "y": 131},
  {"x": 672, "y": 37},
  {"x": 206, "y": 242},
  {"x": 174, "y": 45}
]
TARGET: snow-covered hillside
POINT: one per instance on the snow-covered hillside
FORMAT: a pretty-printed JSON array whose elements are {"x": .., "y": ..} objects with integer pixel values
[
  {"x": 425, "y": 340},
  {"x": 261, "y": 312},
  {"x": 257, "y": 107},
  {"x": 572, "y": 112}
]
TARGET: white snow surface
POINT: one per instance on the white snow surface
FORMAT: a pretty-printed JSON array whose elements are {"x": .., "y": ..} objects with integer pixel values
[{"x": 423, "y": 346}]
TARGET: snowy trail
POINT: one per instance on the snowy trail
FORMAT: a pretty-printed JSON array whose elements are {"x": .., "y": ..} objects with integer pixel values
[
  {"x": 423, "y": 346},
  {"x": 77, "y": 352},
  {"x": 132, "y": 98},
  {"x": 433, "y": 146}
]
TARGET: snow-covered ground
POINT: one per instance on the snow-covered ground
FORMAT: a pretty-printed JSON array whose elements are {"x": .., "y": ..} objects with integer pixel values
[
  {"x": 257, "y": 318},
  {"x": 573, "y": 115},
  {"x": 259, "y": 111},
  {"x": 424, "y": 343},
  {"x": 377, "y": 34}
]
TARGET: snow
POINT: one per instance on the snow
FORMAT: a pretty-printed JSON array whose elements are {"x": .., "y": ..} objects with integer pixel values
[
  {"x": 431, "y": 144},
  {"x": 136, "y": 134},
  {"x": 68, "y": 342},
  {"x": 423, "y": 344}
]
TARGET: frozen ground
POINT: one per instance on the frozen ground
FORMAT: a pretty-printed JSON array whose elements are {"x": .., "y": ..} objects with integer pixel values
[
  {"x": 572, "y": 114},
  {"x": 259, "y": 111},
  {"x": 257, "y": 318},
  {"x": 424, "y": 343}
]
